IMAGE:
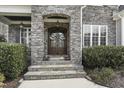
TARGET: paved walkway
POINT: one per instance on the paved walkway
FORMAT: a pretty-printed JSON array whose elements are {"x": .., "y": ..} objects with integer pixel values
[{"x": 60, "y": 83}]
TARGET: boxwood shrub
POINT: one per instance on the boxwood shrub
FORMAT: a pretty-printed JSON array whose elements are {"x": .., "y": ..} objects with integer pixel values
[
  {"x": 12, "y": 59},
  {"x": 103, "y": 56}
]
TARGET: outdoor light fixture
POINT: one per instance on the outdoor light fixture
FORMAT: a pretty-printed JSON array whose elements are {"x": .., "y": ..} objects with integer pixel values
[
  {"x": 21, "y": 25},
  {"x": 57, "y": 23}
]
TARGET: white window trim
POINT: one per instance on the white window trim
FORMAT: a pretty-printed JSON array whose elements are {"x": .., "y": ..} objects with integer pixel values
[
  {"x": 0, "y": 26},
  {"x": 82, "y": 39},
  {"x": 91, "y": 34},
  {"x": 116, "y": 32},
  {"x": 20, "y": 36},
  {"x": 106, "y": 35},
  {"x": 6, "y": 30},
  {"x": 7, "y": 33},
  {"x": 27, "y": 35},
  {"x": 99, "y": 34}
]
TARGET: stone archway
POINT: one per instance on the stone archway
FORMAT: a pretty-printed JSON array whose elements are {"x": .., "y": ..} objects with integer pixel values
[{"x": 57, "y": 28}]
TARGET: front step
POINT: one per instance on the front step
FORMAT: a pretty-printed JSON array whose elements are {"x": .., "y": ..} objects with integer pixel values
[
  {"x": 68, "y": 67},
  {"x": 38, "y": 72},
  {"x": 54, "y": 69},
  {"x": 53, "y": 62},
  {"x": 42, "y": 75}
]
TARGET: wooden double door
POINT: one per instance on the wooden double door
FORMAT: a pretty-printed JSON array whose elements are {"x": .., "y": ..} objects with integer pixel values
[{"x": 57, "y": 41}]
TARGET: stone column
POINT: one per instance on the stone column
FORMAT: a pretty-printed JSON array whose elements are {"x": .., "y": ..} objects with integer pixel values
[
  {"x": 122, "y": 31},
  {"x": 37, "y": 37}
]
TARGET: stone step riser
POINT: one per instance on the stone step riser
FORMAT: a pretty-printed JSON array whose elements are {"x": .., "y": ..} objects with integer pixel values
[
  {"x": 48, "y": 63},
  {"x": 56, "y": 69},
  {"x": 52, "y": 63},
  {"x": 44, "y": 77}
]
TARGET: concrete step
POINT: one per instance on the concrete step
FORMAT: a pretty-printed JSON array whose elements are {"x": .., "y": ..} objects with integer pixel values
[
  {"x": 42, "y": 75},
  {"x": 53, "y": 62},
  {"x": 56, "y": 67}
]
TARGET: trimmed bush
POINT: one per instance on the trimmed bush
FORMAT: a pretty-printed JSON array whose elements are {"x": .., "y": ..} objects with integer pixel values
[
  {"x": 103, "y": 56},
  {"x": 102, "y": 76},
  {"x": 12, "y": 59},
  {"x": 2, "y": 77}
]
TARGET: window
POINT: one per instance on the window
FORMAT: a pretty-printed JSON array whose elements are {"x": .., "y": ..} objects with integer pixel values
[
  {"x": 25, "y": 36},
  {"x": 87, "y": 35},
  {"x": 103, "y": 35},
  {"x": 4, "y": 30},
  {"x": 57, "y": 39},
  {"x": 94, "y": 35}
]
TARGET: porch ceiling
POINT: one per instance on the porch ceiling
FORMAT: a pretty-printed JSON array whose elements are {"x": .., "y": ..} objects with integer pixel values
[
  {"x": 15, "y": 14},
  {"x": 16, "y": 19},
  {"x": 19, "y": 18}
]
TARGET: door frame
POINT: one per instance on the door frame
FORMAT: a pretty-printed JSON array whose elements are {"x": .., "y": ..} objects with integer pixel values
[{"x": 60, "y": 29}]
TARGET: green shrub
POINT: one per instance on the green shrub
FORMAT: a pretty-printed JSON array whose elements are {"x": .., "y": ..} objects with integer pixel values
[
  {"x": 102, "y": 76},
  {"x": 2, "y": 77},
  {"x": 12, "y": 59},
  {"x": 103, "y": 56}
]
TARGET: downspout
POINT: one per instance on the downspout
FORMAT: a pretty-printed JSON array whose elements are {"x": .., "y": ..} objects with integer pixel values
[
  {"x": 82, "y": 25},
  {"x": 82, "y": 30},
  {"x": 122, "y": 29}
]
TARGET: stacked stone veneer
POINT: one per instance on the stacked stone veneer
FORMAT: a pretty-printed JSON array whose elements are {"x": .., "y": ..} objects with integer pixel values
[
  {"x": 101, "y": 15},
  {"x": 3, "y": 30},
  {"x": 10, "y": 32},
  {"x": 37, "y": 33},
  {"x": 14, "y": 34}
]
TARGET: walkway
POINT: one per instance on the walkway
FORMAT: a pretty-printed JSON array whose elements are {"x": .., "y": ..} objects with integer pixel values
[{"x": 59, "y": 83}]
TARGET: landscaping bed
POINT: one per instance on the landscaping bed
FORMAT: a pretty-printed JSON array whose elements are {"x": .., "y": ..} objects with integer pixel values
[
  {"x": 113, "y": 80},
  {"x": 105, "y": 65},
  {"x": 12, "y": 83},
  {"x": 13, "y": 63}
]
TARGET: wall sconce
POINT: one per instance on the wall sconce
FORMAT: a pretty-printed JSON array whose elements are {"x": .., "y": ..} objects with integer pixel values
[
  {"x": 21, "y": 25},
  {"x": 57, "y": 23}
]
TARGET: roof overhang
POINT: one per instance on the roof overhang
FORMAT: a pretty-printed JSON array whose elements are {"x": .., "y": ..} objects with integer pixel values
[{"x": 15, "y": 10}]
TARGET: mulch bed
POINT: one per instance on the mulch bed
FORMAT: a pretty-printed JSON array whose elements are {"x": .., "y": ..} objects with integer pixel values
[
  {"x": 118, "y": 81},
  {"x": 12, "y": 83}
]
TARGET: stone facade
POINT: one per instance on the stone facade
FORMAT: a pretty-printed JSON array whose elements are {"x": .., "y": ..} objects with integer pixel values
[
  {"x": 101, "y": 15},
  {"x": 118, "y": 32},
  {"x": 96, "y": 15},
  {"x": 38, "y": 42},
  {"x": 14, "y": 34},
  {"x": 4, "y": 30}
]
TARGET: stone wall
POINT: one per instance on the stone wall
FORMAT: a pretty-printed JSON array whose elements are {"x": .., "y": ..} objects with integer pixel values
[
  {"x": 14, "y": 34},
  {"x": 118, "y": 34},
  {"x": 11, "y": 32},
  {"x": 101, "y": 15},
  {"x": 4, "y": 29},
  {"x": 37, "y": 33}
]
